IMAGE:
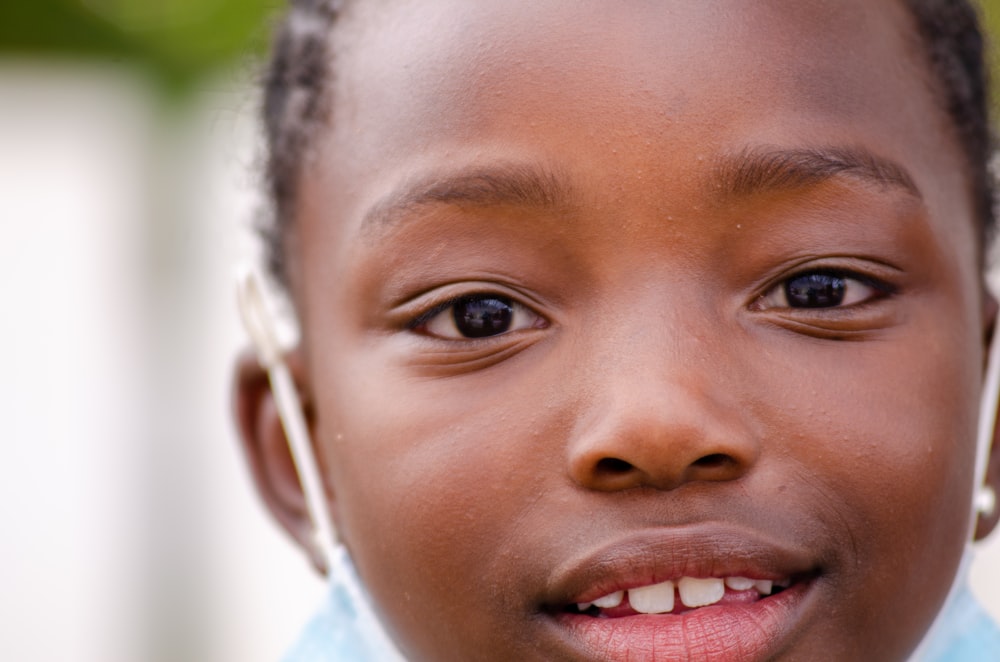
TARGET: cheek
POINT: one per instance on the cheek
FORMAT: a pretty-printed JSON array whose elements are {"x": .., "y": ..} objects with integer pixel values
[
  {"x": 885, "y": 460},
  {"x": 901, "y": 438},
  {"x": 430, "y": 483}
]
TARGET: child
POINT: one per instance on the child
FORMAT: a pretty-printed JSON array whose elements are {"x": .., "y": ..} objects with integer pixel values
[{"x": 635, "y": 330}]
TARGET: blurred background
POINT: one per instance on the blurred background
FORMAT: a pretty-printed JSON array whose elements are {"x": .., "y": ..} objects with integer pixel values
[{"x": 129, "y": 183}]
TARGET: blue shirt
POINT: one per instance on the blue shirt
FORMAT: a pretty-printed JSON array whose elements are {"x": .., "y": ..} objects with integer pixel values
[{"x": 967, "y": 633}]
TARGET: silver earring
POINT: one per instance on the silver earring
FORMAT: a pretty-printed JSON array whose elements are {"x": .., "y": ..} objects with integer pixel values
[{"x": 986, "y": 501}]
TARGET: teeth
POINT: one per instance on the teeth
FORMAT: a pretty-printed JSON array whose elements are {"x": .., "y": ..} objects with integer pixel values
[
  {"x": 655, "y": 599},
  {"x": 739, "y": 583},
  {"x": 610, "y": 601},
  {"x": 700, "y": 592},
  {"x": 694, "y": 592}
]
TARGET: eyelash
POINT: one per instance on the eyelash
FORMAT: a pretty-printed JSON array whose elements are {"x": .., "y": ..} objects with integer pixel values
[{"x": 839, "y": 292}]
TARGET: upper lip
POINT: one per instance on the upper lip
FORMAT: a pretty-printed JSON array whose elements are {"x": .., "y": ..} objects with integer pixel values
[{"x": 657, "y": 555}]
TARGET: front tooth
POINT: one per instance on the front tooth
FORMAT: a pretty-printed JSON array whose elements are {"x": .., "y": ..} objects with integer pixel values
[
  {"x": 764, "y": 586},
  {"x": 700, "y": 592},
  {"x": 610, "y": 601},
  {"x": 655, "y": 599},
  {"x": 584, "y": 606},
  {"x": 739, "y": 583}
]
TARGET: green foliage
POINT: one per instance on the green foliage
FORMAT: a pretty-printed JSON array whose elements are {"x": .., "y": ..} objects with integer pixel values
[
  {"x": 991, "y": 17},
  {"x": 176, "y": 40},
  {"x": 179, "y": 41}
]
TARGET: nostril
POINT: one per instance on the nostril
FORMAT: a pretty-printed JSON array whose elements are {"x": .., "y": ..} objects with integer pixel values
[
  {"x": 612, "y": 465},
  {"x": 713, "y": 461}
]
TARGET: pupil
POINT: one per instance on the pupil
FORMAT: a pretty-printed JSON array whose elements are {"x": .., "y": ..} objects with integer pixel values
[
  {"x": 815, "y": 291},
  {"x": 479, "y": 317}
]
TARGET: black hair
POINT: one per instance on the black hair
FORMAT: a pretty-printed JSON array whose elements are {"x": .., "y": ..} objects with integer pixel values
[
  {"x": 955, "y": 51},
  {"x": 300, "y": 78},
  {"x": 296, "y": 103}
]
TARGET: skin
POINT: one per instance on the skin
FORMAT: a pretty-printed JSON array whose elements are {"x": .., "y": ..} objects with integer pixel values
[{"x": 657, "y": 397}]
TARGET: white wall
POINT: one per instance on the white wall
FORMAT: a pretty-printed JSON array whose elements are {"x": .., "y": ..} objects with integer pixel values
[{"x": 130, "y": 531}]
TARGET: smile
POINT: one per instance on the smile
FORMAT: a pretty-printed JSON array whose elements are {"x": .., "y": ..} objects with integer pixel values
[{"x": 716, "y": 594}]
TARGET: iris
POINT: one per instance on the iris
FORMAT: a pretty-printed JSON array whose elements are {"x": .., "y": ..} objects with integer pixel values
[
  {"x": 482, "y": 316},
  {"x": 815, "y": 290}
]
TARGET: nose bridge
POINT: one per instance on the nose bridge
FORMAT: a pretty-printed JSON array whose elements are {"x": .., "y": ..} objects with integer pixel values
[
  {"x": 659, "y": 336},
  {"x": 662, "y": 408}
]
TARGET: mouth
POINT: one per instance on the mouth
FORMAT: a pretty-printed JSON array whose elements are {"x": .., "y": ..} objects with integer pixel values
[
  {"x": 719, "y": 596},
  {"x": 681, "y": 595}
]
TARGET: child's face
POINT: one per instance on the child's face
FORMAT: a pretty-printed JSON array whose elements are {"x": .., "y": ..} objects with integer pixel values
[{"x": 727, "y": 258}]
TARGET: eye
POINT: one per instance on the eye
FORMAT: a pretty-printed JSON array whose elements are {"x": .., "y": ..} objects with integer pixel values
[
  {"x": 822, "y": 289},
  {"x": 478, "y": 316}
]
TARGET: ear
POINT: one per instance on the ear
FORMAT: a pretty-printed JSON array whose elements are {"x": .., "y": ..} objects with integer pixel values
[
  {"x": 266, "y": 448},
  {"x": 986, "y": 522}
]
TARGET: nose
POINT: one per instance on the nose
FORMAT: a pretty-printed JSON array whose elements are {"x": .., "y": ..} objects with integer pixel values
[{"x": 661, "y": 426}]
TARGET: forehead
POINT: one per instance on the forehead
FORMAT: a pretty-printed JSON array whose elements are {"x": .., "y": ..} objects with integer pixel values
[
  {"x": 409, "y": 71},
  {"x": 652, "y": 89}
]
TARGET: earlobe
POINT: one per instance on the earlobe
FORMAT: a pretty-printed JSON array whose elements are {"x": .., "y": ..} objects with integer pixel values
[{"x": 266, "y": 449}]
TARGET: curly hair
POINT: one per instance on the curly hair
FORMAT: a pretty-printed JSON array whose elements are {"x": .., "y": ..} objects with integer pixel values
[{"x": 299, "y": 79}]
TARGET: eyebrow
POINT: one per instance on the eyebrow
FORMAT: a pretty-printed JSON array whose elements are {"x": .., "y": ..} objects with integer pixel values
[
  {"x": 495, "y": 186},
  {"x": 761, "y": 170},
  {"x": 752, "y": 171}
]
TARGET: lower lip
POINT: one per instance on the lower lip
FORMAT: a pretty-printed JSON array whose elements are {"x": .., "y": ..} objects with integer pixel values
[{"x": 720, "y": 633}]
